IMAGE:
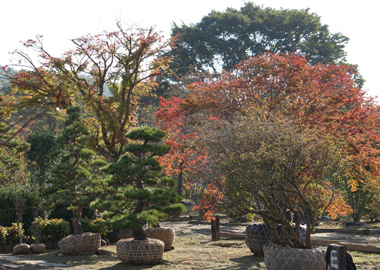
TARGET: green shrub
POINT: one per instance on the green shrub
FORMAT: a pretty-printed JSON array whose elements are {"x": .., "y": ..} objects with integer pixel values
[
  {"x": 3, "y": 235},
  {"x": 12, "y": 234},
  {"x": 50, "y": 228},
  {"x": 175, "y": 210},
  {"x": 98, "y": 225},
  {"x": 7, "y": 209}
]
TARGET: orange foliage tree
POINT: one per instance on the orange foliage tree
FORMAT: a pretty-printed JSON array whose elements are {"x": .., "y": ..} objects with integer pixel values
[
  {"x": 185, "y": 156},
  {"x": 322, "y": 97},
  {"x": 105, "y": 73}
]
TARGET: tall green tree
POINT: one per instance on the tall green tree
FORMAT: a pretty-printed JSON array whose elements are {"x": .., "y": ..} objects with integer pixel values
[
  {"x": 73, "y": 179},
  {"x": 42, "y": 145},
  {"x": 223, "y": 39}
]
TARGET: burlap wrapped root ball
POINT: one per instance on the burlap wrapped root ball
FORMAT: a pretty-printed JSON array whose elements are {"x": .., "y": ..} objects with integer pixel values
[
  {"x": 285, "y": 258},
  {"x": 85, "y": 243},
  {"x": 166, "y": 235},
  {"x": 148, "y": 251},
  {"x": 21, "y": 249},
  {"x": 256, "y": 236},
  {"x": 37, "y": 248}
]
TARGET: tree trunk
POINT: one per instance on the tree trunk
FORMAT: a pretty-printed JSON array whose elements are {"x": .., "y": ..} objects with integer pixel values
[
  {"x": 19, "y": 227},
  {"x": 308, "y": 232},
  {"x": 76, "y": 222},
  {"x": 139, "y": 234},
  {"x": 180, "y": 182}
]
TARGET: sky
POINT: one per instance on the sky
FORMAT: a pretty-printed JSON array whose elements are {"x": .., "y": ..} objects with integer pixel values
[{"x": 59, "y": 21}]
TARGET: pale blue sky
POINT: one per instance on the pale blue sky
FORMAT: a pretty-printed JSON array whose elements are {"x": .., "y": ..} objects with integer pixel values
[{"x": 59, "y": 21}]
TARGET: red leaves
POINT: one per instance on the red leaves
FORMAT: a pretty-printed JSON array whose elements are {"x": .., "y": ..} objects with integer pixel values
[
  {"x": 184, "y": 156},
  {"x": 323, "y": 97}
]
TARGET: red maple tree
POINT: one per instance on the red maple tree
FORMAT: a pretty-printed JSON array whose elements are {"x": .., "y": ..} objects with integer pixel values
[
  {"x": 185, "y": 155},
  {"x": 319, "y": 96}
]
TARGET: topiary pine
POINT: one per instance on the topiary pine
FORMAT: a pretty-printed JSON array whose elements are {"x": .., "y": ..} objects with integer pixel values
[
  {"x": 73, "y": 179},
  {"x": 141, "y": 190}
]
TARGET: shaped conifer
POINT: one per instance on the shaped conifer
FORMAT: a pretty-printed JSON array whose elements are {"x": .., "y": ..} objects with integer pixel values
[
  {"x": 141, "y": 190},
  {"x": 73, "y": 179}
]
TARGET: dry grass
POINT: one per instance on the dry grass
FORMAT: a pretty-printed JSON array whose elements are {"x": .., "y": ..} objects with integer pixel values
[{"x": 193, "y": 250}]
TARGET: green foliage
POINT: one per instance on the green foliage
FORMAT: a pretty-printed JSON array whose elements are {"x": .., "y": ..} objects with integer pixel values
[
  {"x": 164, "y": 196},
  {"x": 175, "y": 210},
  {"x": 98, "y": 225},
  {"x": 11, "y": 154},
  {"x": 3, "y": 235},
  {"x": 74, "y": 179},
  {"x": 373, "y": 208},
  {"x": 9, "y": 194},
  {"x": 12, "y": 234},
  {"x": 42, "y": 145},
  {"x": 142, "y": 188},
  {"x": 250, "y": 216},
  {"x": 223, "y": 39},
  {"x": 49, "y": 229}
]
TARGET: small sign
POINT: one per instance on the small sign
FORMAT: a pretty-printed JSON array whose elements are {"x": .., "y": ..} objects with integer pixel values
[{"x": 334, "y": 259}]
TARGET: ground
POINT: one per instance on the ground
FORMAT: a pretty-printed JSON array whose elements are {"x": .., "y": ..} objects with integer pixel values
[{"x": 193, "y": 250}]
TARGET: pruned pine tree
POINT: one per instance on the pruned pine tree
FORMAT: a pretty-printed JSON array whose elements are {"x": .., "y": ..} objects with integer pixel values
[
  {"x": 141, "y": 190},
  {"x": 74, "y": 179}
]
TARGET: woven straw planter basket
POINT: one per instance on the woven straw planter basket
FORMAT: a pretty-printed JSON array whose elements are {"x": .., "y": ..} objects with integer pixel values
[
  {"x": 148, "y": 251},
  {"x": 85, "y": 243},
  {"x": 256, "y": 236},
  {"x": 37, "y": 248},
  {"x": 166, "y": 235},
  {"x": 285, "y": 258},
  {"x": 21, "y": 249}
]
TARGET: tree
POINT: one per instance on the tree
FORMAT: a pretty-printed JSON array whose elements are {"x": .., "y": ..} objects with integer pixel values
[
  {"x": 42, "y": 145},
  {"x": 222, "y": 39},
  {"x": 271, "y": 168},
  {"x": 104, "y": 73},
  {"x": 140, "y": 188},
  {"x": 74, "y": 179},
  {"x": 323, "y": 97},
  {"x": 12, "y": 151},
  {"x": 184, "y": 156}
]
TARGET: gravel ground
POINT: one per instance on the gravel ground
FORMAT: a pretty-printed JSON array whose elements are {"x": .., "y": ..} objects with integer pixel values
[
  {"x": 186, "y": 227},
  {"x": 203, "y": 228}
]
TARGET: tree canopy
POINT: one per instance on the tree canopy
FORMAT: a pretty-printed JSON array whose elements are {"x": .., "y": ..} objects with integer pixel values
[
  {"x": 73, "y": 179},
  {"x": 105, "y": 74},
  {"x": 223, "y": 39},
  {"x": 140, "y": 190},
  {"x": 270, "y": 167},
  {"x": 318, "y": 97}
]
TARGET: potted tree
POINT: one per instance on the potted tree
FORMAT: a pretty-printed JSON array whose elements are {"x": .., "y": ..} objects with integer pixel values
[
  {"x": 140, "y": 192},
  {"x": 74, "y": 181},
  {"x": 270, "y": 168}
]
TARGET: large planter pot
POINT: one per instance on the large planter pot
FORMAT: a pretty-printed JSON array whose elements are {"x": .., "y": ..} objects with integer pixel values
[
  {"x": 285, "y": 258},
  {"x": 85, "y": 243},
  {"x": 148, "y": 251},
  {"x": 166, "y": 235},
  {"x": 21, "y": 249},
  {"x": 256, "y": 236},
  {"x": 37, "y": 248}
]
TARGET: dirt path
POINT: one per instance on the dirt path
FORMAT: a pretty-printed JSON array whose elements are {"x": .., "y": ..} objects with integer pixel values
[{"x": 354, "y": 241}]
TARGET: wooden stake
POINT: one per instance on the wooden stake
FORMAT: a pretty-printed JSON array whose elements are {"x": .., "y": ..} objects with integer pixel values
[{"x": 215, "y": 229}]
